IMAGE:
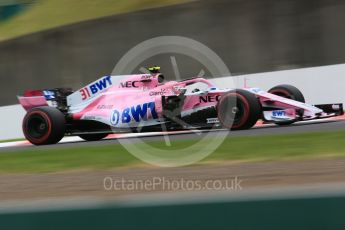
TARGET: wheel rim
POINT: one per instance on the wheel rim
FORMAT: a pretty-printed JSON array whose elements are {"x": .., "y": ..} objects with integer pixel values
[
  {"x": 37, "y": 126},
  {"x": 238, "y": 112},
  {"x": 233, "y": 111}
]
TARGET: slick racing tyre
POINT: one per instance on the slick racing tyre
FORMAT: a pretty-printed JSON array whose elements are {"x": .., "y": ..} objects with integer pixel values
[
  {"x": 44, "y": 125},
  {"x": 93, "y": 137},
  {"x": 290, "y": 92},
  {"x": 238, "y": 109}
]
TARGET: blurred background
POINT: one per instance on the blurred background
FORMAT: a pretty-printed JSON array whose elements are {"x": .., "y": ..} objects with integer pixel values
[
  {"x": 293, "y": 176},
  {"x": 51, "y": 43}
]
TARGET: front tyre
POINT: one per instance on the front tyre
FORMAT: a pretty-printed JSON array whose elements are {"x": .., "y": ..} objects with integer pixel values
[
  {"x": 93, "y": 137},
  {"x": 44, "y": 125},
  {"x": 290, "y": 92},
  {"x": 238, "y": 109}
]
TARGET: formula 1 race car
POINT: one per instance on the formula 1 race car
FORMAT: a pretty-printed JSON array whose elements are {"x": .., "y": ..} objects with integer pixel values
[{"x": 143, "y": 102}]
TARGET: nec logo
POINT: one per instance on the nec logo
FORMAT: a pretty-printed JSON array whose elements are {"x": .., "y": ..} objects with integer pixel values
[
  {"x": 136, "y": 113},
  {"x": 130, "y": 84},
  {"x": 278, "y": 113},
  {"x": 96, "y": 87},
  {"x": 207, "y": 99}
]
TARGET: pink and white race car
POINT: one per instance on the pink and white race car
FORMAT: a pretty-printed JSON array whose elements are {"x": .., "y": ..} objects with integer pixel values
[{"x": 143, "y": 102}]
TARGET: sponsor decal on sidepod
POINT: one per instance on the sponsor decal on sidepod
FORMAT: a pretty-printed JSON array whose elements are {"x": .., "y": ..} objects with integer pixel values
[{"x": 136, "y": 113}]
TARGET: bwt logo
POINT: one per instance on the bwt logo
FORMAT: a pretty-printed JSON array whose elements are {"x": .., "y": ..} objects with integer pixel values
[
  {"x": 278, "y": 113},
  {"x": 94, "y": 88},
  {"x": 207, "y": 99},
  {"x": 130, "y": 84},
  {"x": 136, "y": 113}
]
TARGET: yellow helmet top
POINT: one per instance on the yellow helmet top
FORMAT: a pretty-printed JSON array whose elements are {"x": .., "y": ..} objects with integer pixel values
[{"x": 155, "y": 69}]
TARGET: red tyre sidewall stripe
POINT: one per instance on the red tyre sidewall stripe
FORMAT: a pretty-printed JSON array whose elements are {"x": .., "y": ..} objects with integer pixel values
[
  {"x": 25, "y": 127},
  {"x": 246, "y": 104}
]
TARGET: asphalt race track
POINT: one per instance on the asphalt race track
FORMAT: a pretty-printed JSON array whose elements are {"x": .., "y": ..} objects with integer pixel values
[
  {"x": 326, "y": 173},
  {"x": 301, "y": 127}
]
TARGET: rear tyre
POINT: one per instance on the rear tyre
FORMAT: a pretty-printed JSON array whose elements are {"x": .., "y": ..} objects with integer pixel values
[
  {"x": 238, "y": 109},
  {"x": 290, "y": 92},
  {"x": 93, "y": 137},
  {"x": 44, "y": 125}
]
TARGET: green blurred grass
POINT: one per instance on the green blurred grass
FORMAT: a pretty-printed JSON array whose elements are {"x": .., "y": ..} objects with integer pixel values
[
  {"x": 47, "y": 14},
  {"x": 258, "y": 148},
  {"x": 12, "y": 140}
]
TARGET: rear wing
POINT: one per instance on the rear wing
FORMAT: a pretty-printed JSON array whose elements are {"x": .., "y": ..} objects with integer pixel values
[
  {"x": 48, "y": 97},
  {"x": 32, "y": 102}
]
